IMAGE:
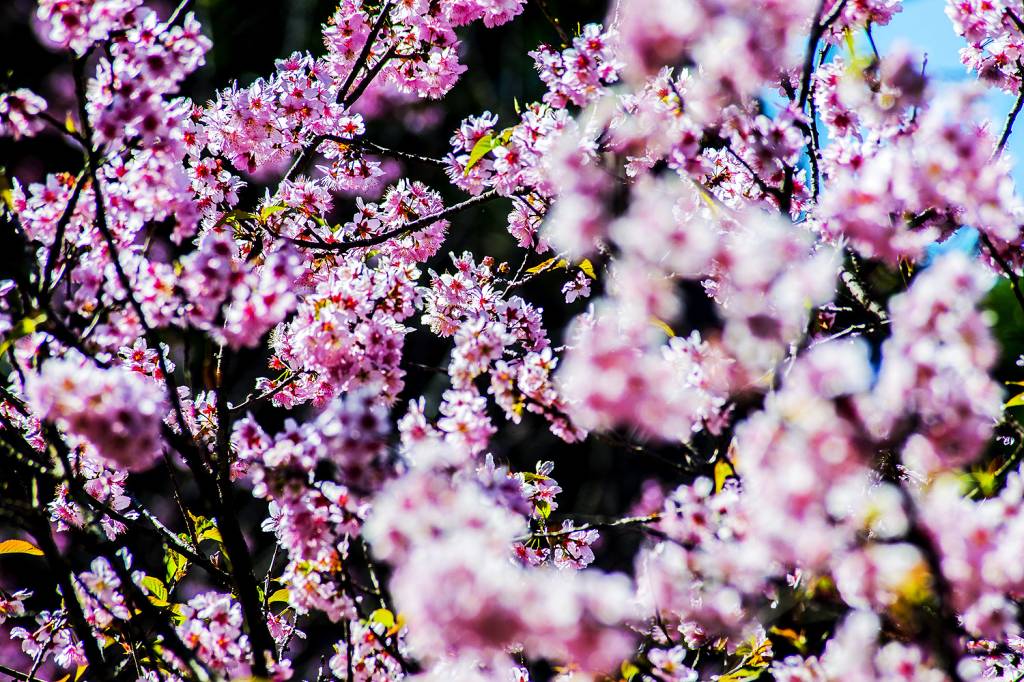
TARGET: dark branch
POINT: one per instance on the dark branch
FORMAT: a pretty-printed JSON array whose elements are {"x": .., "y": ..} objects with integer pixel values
[{"x": 402, "y": 230}]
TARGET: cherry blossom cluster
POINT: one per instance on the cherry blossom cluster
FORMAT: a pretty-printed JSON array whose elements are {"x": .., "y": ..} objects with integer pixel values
[
  {"x": 19, "y": 113},
  {"x": 994, "y": 35},
  {"x": 580, "y": 72},
  {"x": 112, "y": 410},
  {"x": 425, "y": 521}
]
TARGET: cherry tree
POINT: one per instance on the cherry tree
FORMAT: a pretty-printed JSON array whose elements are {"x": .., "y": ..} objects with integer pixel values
[{"x": 790, "y": 265}]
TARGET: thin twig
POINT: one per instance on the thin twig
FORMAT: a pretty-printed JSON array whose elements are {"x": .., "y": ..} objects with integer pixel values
[
  {"x": 856, "y": 290},
  {"x": 283, "y": 384},
  {"x": 58, "y": 237},
  {"x": 400, "y": 231},
  {"x": 364, "y": 54},
  {"x": 18, "y": 675},
  {"x": 817, "y": 31},
  {"x": 543, "y": 6},
  {"x": 1010, "y": 118},
  {"x": 1005, "y": 267},
  {"x": 178, "y": 11},
  {"x": 617, "y": 523},
  {"x": 393, "y": 152},
  {"x": 371, "y": 73}
]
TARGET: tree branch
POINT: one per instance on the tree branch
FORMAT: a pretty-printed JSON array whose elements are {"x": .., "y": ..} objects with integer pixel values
[
  {"x": 1011, "y": 117},
  {"x": 402, "y": 230},
  {"x": 818, "y": 29}
]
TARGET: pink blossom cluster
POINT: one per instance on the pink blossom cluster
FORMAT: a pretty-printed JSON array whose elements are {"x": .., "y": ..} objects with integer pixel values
[
  {"x": 19, "y": 113},
  {"x": 113, "y": 410},
  {"x": 854, "y": 14},
  {"x": 854, "y": 653},
  {"x": 212, "y": 627},
  {"x": 424, "y": 522},
  {"x": 62, "y": 647},
  {"x": 78, "y": 24},
  {"x": 738, "y": 45},
  {"x": 994, "y": 36},
  {"x": 578, "y": 73},
  {"x": 102, "y": 483},
  {"x": 892, "y": 200},
  {"x": 935, "y": 368},
  {"x": 512, "y": 159}
]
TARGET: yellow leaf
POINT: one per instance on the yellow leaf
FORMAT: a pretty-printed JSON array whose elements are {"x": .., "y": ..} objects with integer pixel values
[
  {"x": 399, "y": 624},
  {"x": 723, "y": 471},
  {"x": 742, "y": 675},
  {"x": 628, "y": 670},
  {"x": 663, "y": 326},
  {"x": 6, "y": 191},
  {"x": 588, "y": 268},
  {"x": 279, "y": 596},
  {"x": 797, "y": 639},
  {"x": 707, "y": 199},
  {"x": 69, "y": 125},
  {"x": 19, "y": 547},
  {"x": 1015, "y": 401},
  {"x": 549, "y": 264},
  {"x": 851, "y": 46},
  {"x": 211, "y": 533},
  {"x": 80, "y": 671},
  {"x": 384, "y": 617},
  {"x": 515, "y": 105}
]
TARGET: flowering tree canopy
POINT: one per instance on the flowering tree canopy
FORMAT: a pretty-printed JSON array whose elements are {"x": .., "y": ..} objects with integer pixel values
[{"x": 273, "y": 391}]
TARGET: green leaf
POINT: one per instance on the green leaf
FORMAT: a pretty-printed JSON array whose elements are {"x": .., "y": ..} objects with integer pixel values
[
  {"x": 6, "y": 191},
  {"x": 480, "y": 149},
  {"x": 747, "y": 674},
  {"x": 588, "y": 268},
  {"x": 236, "y": 217},
  {"x": 268, "y": 211},
  {"x": 206, "y": 529},
  {"x": 544, "y": 507},
  {"x": 19, "y": 547},
  {"x": 157, "y": 589},
  {"x": 503, "y": 137},
  {"x": 176, "y": 566},
  {"x": 22, "y": 328}
]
